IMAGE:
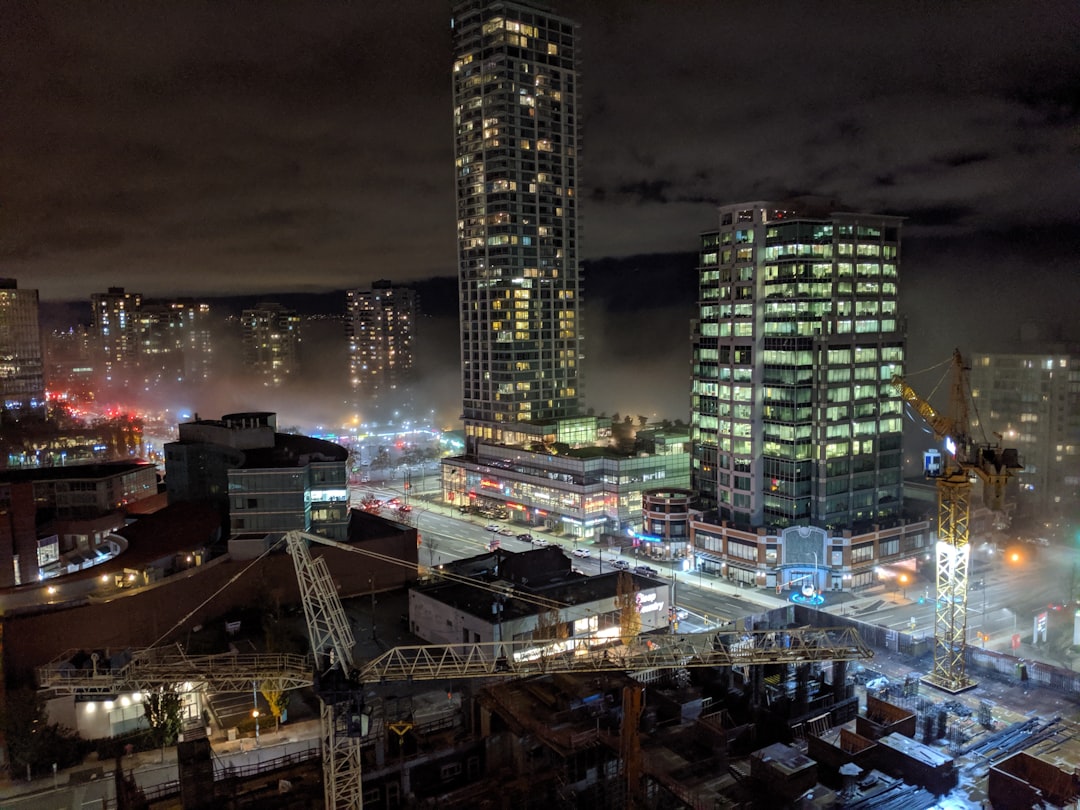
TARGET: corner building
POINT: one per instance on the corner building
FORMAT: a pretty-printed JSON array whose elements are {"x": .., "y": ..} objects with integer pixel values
[
  {"x": 794, "y": 421},
  {"x": 516, "y": 140}
]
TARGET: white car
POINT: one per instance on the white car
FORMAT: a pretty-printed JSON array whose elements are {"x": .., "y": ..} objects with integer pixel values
[
  {"x": 581, "y": 552},
  {"x": 491, "y": 527}
]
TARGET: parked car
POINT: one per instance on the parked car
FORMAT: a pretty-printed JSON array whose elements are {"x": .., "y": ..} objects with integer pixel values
[
  {"x": 620, "y": 565},
  {"x": 581, "y": 552},
  {"x": 646, "y": 571}
]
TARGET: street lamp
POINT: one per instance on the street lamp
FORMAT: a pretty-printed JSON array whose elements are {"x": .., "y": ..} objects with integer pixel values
[
  {"x": 255, "y": 711},
  {"x": 903, "y": 586}
]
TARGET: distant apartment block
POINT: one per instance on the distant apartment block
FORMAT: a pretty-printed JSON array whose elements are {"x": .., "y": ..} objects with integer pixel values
[
  {"x": 174, "y": 341},
  {"x": 380, "y": 325},
  {"x": 114, "y": 321},
  {"x": 22, "y": 376},
  {"x": 271, "y": 335},
  {"x": 1032, "y": 399}
]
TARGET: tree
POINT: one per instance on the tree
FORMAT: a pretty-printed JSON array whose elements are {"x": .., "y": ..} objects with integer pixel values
[
  {"x": 276, "y": 699},
  {"x": 550, "y": 626},
  {"x": 626, "y": 602},
  {"x": 33, "y": 742},
  {"x": 163, "y": 714}
]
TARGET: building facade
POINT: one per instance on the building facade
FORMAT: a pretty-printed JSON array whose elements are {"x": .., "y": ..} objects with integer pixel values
[
  {"x": 516, "y": 143},
  {"x": 264, "y": 480},
  {"x": 453, "y": 611},
  {"x": 57, "y": 512},
  {"x": 1032, "y": 399},
  {"x": 22, "y": 371},
  {"x": 380, "y": 326},
  {"x": 796, "y": 428},
  {"x": 271, "y": 335},
  {"x": 582, "y": 493}
]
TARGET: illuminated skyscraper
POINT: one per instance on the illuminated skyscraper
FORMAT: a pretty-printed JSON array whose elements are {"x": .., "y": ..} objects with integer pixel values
[
  {"x": 271, "y": 342},
  {"x": 380, "y": 324},
  {"x": 516, "y": 165},
  {"x": 795, "y": 420},
  {"x": 22, "y": 379}
]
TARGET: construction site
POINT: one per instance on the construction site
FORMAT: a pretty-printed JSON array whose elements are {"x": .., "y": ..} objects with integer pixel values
[{"x": 787, "y": 708}]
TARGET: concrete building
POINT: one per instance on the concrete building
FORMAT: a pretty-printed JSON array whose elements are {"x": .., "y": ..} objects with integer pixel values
[
  {"x": 1032, "y": 399},
  {"x": 56, "y": 517},
  {"x": 380, "y": 325},
  {"x": 452, "y": 611},
  {"x": 796, "y": 429},
  {"x": 271, "y": 342},
  {"x": 266, "y": 481},
  {"x": 22, "y": 376}
]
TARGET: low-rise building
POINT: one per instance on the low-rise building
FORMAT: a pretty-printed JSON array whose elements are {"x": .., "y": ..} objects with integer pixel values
[{"x": 514, "y": 590}]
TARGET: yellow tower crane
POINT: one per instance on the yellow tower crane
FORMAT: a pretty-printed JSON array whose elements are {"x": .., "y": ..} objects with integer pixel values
[{"x": 965, "y": 460}]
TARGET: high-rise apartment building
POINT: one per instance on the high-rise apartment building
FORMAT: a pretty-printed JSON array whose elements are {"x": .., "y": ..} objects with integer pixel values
[
  {"x": 1032, "y": 399},
  {"x": 114, "y": 321},
  {"x": 794, "y": 421},
  {"x": 516, "y": 163},
  {"x": 380, "y": 324},
  {"x": 271, "y": 342},
  {"x": 174, "y": 341},
  {"x": 22, "y": 376}
]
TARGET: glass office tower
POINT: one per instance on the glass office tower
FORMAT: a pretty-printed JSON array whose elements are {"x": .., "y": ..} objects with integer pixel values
[{"x": 794, "y": 420}]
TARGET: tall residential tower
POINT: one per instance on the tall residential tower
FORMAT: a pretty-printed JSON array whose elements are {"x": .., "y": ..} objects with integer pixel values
[{"x": 516, "y": 162}]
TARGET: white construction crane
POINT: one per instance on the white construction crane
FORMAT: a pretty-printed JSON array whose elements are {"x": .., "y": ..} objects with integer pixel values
[{"x": 339, "y": 679}]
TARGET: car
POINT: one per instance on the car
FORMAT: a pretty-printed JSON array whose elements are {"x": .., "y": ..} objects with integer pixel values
[
  {"x": 491, "y": 527},
  {"x": 646, "y": 571},
  {"x": 539, "y": 541},
  {"x": 681, "y": 614},
  {"x": 620, "y": 565},
  {"x": 581, "y": 552},
  {"x": 525, "y": 537},
  {"x": 506, "y": 532}
]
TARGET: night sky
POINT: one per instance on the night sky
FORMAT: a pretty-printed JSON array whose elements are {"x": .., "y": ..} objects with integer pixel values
[{"x": 226, "y": 147}]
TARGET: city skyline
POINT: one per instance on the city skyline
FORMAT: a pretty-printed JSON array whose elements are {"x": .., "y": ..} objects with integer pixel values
[{"x": 212, "y": 150}]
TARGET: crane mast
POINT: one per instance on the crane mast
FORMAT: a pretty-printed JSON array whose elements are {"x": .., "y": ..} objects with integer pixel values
[{"x": 964, "y": 461}]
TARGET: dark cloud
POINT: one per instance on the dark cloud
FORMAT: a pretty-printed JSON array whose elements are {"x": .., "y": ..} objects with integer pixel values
[{"x": 206, "y": 147}]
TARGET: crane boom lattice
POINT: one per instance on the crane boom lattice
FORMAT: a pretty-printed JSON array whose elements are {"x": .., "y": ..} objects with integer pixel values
[{"x": 965, "y": 461}]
